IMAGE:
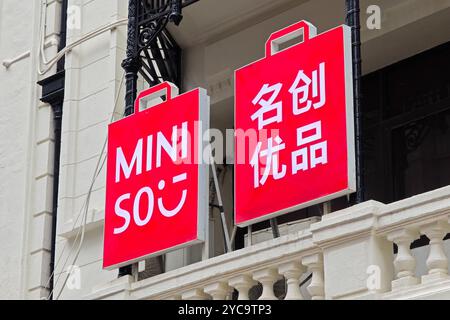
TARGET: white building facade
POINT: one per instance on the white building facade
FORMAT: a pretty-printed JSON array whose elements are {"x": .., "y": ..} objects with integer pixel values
[{"x": 389, "y": 247}]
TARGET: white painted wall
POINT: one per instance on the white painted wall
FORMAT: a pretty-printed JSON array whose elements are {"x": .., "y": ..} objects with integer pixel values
[
  {"x": 17, "y": 110},
  {"x": 212, "y": 50},
  {"x": 26, "y": 149},
  {"x": 93, "y": 76}
]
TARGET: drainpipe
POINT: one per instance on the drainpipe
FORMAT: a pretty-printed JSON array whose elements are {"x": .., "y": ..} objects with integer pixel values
[
  {"x": 57, "y": 122},
  {"x": 53, "y": 94},
  {"x": 353, "y": 21},
  {"x": 131, "y": 67},
  {"x": 62, "y": 34}
]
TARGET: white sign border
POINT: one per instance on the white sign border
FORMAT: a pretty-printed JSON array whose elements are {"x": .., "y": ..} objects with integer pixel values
[
  {"x": 350, "y": 125},
  {"x": 203, "y": 191}
]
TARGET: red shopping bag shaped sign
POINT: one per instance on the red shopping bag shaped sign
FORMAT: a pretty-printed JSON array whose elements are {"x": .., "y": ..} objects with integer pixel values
[
  {"x": 294, "y": 143},
  {"x": 156, "y": 197}
]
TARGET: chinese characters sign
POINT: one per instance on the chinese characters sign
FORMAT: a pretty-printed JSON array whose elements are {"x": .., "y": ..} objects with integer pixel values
[
  {"x": 156, "y": 197},
  {"x": 294, "y": 142}
]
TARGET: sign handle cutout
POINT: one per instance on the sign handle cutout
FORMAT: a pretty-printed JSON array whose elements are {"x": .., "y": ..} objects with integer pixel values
[
  {"x": 166, "y": 88},
  {"x": 298, "y": 29}
]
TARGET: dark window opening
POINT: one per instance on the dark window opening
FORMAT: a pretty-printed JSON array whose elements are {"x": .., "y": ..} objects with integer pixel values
[{"x": 406, "y": 110}]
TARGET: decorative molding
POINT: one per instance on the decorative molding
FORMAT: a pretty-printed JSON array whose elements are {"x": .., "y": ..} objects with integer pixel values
[{"x": 220, "y": 86}]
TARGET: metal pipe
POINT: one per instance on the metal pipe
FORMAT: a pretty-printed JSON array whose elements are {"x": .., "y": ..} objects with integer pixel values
[
  {"x": 249, "y": 235},
  {"x": 131, "y": 62},
  {"x": 275, "y": 229},
  {"x": 226, "y": 235},
  {"x": 131, "y": 67},
  {"x": 63, "y": 34},
  {"x": 57, "y": 124},
  {"x": 353, "y": 20}
]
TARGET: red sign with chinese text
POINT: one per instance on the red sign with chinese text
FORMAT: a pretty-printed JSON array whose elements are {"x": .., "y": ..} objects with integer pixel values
[
  {"x": 156, "y": 192},
  {"x": 294, "y": 144}
]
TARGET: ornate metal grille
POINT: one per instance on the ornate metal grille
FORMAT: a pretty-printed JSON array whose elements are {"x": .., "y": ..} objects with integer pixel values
[
  {"x": 151, "y": 50},
  {"x": 153, "y": 53}
]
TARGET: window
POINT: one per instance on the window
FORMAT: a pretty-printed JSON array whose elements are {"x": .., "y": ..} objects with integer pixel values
[{"x": 406, "y": 109}]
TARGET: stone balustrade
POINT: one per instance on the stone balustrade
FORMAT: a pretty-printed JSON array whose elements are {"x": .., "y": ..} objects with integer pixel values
[
  {"x": 403, "y": 226},
  {"x": 362, "y": 252},
  {"x": 290, "y": 258},
  {"x": 367, "y": 249},
  {"x": 232, "y": 276}
]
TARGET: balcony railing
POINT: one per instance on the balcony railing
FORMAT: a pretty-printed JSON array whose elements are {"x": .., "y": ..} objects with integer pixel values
[{"x": 356, "y": 244}]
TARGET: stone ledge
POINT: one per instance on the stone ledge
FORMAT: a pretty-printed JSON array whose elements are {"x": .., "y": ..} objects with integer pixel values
[{"x": 225, "y": 266}]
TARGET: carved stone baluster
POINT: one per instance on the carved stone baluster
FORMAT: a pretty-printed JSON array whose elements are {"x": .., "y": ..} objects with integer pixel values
[
  {"x": 437, "y": 261},
  {"x": 267, "y": 277},
  {"x": 314, "y": 263},
  {"x": 242, "y": 284},
  {"x": 292, "y": 271},
  {"x": 404, "y": 262},
  {"x": 195, "y": 294},
  {"x": 218, "y": 290}
]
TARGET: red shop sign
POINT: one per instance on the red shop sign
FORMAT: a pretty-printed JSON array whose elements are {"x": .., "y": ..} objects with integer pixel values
[
  {"x": 156, "y": 191},
  {"x": 294, "y": 144}
]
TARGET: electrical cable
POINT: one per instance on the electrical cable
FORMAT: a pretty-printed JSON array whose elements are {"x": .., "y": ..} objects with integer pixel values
[
  {"x": 85, "y": 208},
  {"x": 50, "y": 63},
  {"x": 87, "y": 201}
]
